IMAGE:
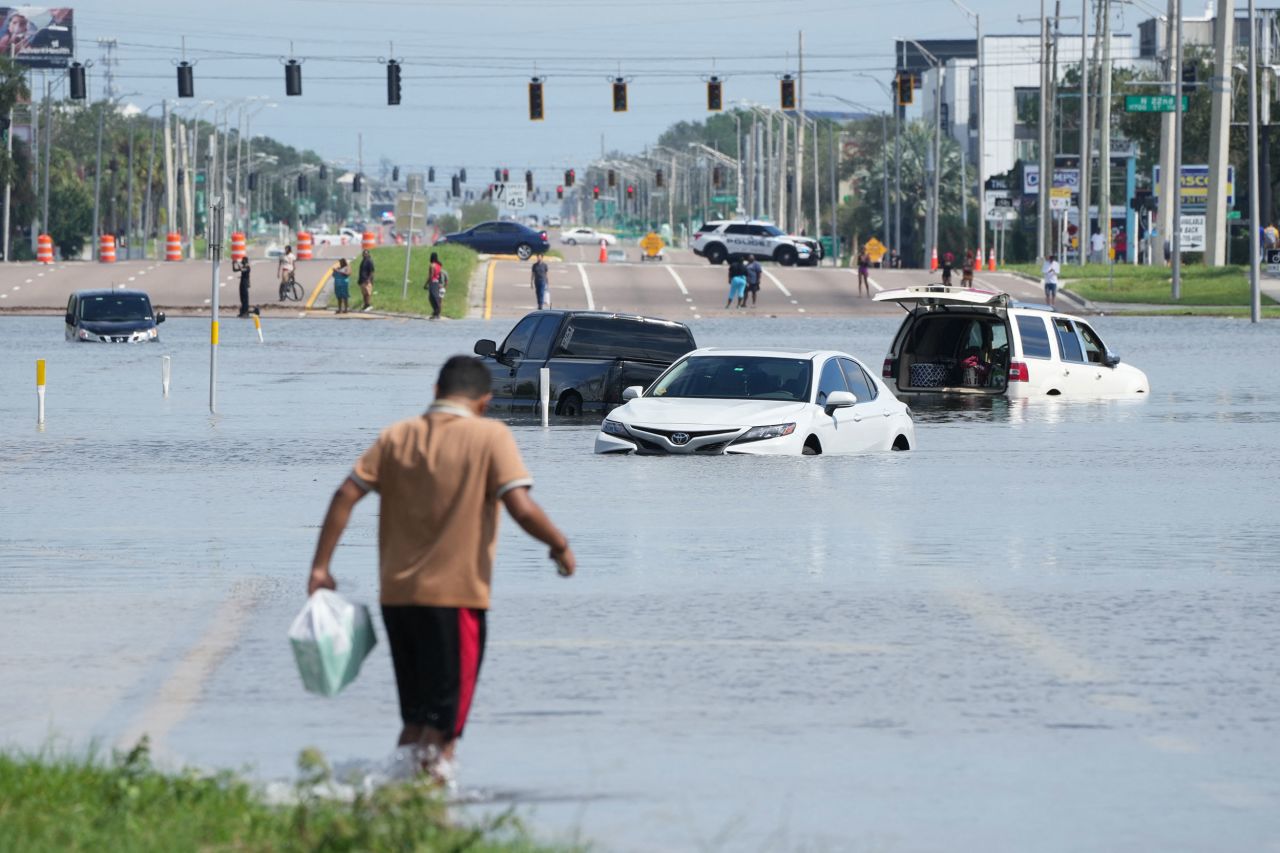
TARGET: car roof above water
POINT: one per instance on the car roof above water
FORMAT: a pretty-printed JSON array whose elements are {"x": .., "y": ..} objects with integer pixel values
[
  {"x": 96, "y": 292},
  {"x": 764, "y": 352}
]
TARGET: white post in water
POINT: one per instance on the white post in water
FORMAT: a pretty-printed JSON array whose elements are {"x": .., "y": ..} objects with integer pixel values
[
  {"x": 40, "y": 392},
  {"x": 544, "y": 393},
  {"x": 257, "y": 324},
  {"x": 214, "y": 230},
  {"x": 408, "y": 245},
  {"x": 164, "y": 374}
]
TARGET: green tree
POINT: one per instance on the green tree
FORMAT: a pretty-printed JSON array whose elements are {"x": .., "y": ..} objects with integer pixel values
[
  {"x": 478, "y": 211},
  {"x": 70, "y": 206}
]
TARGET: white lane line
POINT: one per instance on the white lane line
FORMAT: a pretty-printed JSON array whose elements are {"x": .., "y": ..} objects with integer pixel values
[
  {"x": 679, "y": 282},
  {"x": 870, "y": 280},
  {"x": 773, "y": 278},
  {"x": 586, "y": 286},
  {"x": 28, "y": 281},
  {"x": 17, "y": 287},
  {"x": 4, "y": 296},
  {"x": 131, "y": 278}
]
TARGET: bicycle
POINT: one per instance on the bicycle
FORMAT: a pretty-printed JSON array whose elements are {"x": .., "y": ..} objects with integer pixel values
[{"x": 290, "y": 289}]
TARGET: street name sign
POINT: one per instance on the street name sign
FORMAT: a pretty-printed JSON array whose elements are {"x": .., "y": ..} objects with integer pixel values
[{"x": 1153, "y": 103}]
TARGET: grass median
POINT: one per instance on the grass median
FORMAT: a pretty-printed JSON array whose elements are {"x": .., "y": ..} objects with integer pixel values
[
  {"x": 58, "y": 803},
  {"x": 388, "y": 279},
  {"x": 1201, "y": 285}
]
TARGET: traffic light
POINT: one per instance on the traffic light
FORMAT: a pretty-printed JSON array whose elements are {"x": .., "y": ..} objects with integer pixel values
[
  {"x": 182, "y": 175},
  {"x": 455, "y": 186},
  {"x": 395, "y": 174},
  {"x": 631, "y": 191},
  {"x": 293, "y": 78},
  {"x": 714, "y": 92},
  {"x": 944, "y": 116},
  {"x": 497, "y": 176},
  {"x": 535, "y": 99},
  {"x": 595, "y": 192},
  {"x": 324, "y": 173},
  {"x": 657, "y": 179},
  {"x": 393, "y": 83},
  {"x": 462, "y": 175},
  {"x": 528, "y": 181},
  {"x": 1189, "y": 72},
  {"x": 431, "y": 174},
  {"x": 619, "y": 95},
  {"x": 253, "y": 182},
  {"x": 612, "y": 178},
  {"x": 559, "y": 191},
  {"x": 569, "y": 177},
  {"x": 715, "y": 176},
  {"x": 788, "y": 92},
  {"x": 906, "y": 84},
  {"x": 302, "y": 183},
  {"x": 186, "y": 80},
  {"x": 78, "y": 89},
  {"x": 506, "y": 176},
  {"x": 356, "y": 184}
]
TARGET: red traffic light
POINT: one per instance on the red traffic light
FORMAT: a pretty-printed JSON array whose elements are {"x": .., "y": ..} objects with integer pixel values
[
  {"x": 559, "y": 191},
  {"x": 595, "y": 192},
  {"x": 631, "y": 191}
]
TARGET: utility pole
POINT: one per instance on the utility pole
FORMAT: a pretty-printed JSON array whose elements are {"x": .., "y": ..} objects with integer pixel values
[
  {"x": 48, "y": 156},
  {"x": 8, "y": 184},
  {"x": 937, "y": 154},
  {"x": 1104, "y": 136},
  {"x": 1219, "y": 134},
  {"x": 798, "y": 189},
  {"x": 1046, "y": 166},
  {"x": 1255, "y": 276},
  {"x": 1169, "y": 178},
  {"x": 1086, "y": 139},
  {"x": 1176, "y": 289},
  {"x": 97, "y": 183},
  {"x": 897, "y": 166}
]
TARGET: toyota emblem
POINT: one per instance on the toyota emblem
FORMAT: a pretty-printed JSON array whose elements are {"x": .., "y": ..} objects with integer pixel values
[{"x": 679, "y": 439}]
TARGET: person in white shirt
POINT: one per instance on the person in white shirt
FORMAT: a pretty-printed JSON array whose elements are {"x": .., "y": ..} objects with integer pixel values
[
  {"x": 1097, "y": 245},
  {"x": 1050, "y": 272},
  {"x": 284, "y": 269}
]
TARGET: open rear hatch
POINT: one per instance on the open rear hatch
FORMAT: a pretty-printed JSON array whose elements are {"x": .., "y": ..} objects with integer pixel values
[
  {"x": 959, "y": 343},
  {"x": 941, "y": 294}
]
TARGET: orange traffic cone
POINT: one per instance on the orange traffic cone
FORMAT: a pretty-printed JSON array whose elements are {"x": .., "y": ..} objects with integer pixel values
[
  {"x": 604, "y": 252},
  {"x": 933, "y": 262},
  {"x": 991, "y": 258}
]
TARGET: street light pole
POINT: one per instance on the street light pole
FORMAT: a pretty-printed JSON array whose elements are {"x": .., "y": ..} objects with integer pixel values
[
  {"x": 981, "y": 170},
  {"x": 1176, "y": 290},
  {"x": 1255, "y": 271},
  {"x": 932, "y": 241}
]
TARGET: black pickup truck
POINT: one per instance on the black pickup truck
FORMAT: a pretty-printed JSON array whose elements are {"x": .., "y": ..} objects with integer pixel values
[{"x": 592, "y": 355}]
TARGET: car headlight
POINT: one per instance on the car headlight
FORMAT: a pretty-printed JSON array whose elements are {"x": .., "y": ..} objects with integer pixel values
[
  {"x": 614, "y": 428},
  {"x": 760, "y": 433},
  {"x": 85, "y": 335}
]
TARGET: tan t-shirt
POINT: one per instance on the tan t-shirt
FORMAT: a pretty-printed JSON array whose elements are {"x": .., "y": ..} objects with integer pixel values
[{"x": 440, "y": 476}]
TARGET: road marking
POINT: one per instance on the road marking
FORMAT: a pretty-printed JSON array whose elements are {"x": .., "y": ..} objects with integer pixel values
[
  {"x": 773, "y": 278},
  {"x": 488, "y": 290},
  {"x": 17, "y": 287},
  {"x": 586, "y": 286},
  {"x": 131, "y": 278},
  {"x": 679, "y": 282},
  {"x": 28, "y": 281},
  {"x": 871, "y": 281},
  {"x": 4, "y": 296},
  {"x": 311, "y": 300}
]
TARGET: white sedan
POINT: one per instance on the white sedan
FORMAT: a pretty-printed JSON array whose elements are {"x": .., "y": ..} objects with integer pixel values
[
  {"x": 586, "y": 236},
  {"x": 761, "y": 402}
]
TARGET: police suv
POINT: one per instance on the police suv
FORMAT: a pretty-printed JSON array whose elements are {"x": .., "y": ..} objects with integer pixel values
[{"x": 724, "y": 239}]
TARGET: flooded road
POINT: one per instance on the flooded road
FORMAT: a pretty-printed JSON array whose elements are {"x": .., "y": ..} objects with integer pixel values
[{"x": 1053, "y": 626}]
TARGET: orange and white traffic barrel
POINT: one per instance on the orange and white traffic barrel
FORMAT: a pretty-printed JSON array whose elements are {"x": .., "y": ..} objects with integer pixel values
[
  {"x": 44, "y": 249},
  {"x": 368, "y": 240},
  {"x": 107, "y": 249},
  {"x": 173, "y": 246},
  {"x": 237, "y": 246},
  {"x": 304, "y": 246},
  {"x": 933, "y": 261},
  {"x": 991, "y": 257}
]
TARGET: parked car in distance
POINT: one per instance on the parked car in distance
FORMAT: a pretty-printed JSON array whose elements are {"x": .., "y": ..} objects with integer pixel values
[
  {"x": 551, "y": 221},
  {"x": 500, "y": 238},
  {"x": 764, "y": 402},
  {"x": 962, "y": 341},
  {"x": 723, "y": 240},
  {"x": 112, "y": 316},
  {"x": 587, "y": 237},
  {"x": 592, "y": 356}
]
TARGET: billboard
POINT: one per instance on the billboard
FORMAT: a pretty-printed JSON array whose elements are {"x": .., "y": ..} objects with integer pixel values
[{"x": 36, "y": 37}]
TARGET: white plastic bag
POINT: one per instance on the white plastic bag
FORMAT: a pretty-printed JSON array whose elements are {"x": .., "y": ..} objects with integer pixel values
[{"x": 331, "y": 638}]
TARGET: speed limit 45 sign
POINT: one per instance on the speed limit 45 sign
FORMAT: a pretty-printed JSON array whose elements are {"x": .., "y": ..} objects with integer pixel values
[{"x": 509, "y": 196}]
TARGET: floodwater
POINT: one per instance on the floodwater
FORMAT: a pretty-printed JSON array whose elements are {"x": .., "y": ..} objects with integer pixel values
[{"x": 1051, "y": 627}]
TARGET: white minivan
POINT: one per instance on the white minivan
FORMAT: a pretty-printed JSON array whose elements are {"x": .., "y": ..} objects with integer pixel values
[{"x": 962, "y": 341}]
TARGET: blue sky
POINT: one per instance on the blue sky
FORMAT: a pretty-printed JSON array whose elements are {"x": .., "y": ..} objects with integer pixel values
[{"x": 466, "y": 63}]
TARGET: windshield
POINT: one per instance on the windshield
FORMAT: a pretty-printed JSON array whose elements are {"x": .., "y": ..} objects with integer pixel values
[
  {"x": 726, "y": 377},
  {"x": 115, "y": 309},
  {"x": 773, "y": 231}
]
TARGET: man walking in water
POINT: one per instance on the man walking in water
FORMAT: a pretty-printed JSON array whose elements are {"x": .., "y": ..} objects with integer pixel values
[
  {"x": 365, "y": 280},
  {"x": 441, "y": 476}
]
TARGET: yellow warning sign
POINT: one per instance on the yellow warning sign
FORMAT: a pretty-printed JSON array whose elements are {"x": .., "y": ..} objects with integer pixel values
[
  {"x": 652, "y": 244},
  {"x": 875, "y": 249}
]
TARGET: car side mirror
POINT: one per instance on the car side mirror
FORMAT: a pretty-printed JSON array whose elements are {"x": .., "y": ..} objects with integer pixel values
[
  {"x": 631, "y": 392},
  {"x": 840, "y": 400},
  {"x": 485, "y": 348},
  {"x": 71, "y": 319},
  {"x": 1110, "y": 359},
  {"x": 159, "y": 317}
]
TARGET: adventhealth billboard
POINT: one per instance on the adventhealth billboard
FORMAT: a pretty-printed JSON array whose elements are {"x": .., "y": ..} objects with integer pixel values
[{"x": 37, "y": 38}]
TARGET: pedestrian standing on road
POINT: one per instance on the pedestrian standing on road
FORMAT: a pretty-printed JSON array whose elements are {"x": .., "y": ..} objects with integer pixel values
[
  {"x": 966, "y": 269},
  {"x": 737, "y": 283},
  {"x": 538, "y": 281},
  {"x": 864, "y": 273},
  {"x": 895, "y": 261},
  {"x": 948, "y": 261},
  {"x": 342, "y": 285},
  {"x": 754, "y": 272},
  {"x": 242, "y": 266},
  {"x": 441, "y": 476},
  {"x": 365, "y": 280},
  {"x": 1050, "y": 272},
  {"x": 435, "y": 285},
  {"x": 284, "y": 269}
]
